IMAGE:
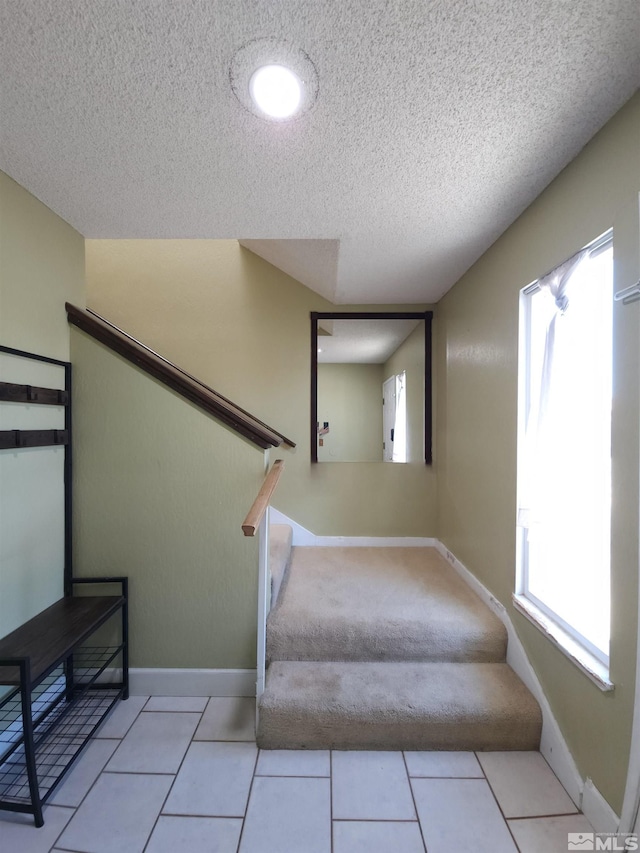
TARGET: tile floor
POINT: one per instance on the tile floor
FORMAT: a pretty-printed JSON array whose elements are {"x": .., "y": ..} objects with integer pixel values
[{"x": 167, "y": 775}]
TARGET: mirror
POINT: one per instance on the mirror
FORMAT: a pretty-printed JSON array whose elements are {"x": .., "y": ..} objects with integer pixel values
[{"x": 371, "y": 387}]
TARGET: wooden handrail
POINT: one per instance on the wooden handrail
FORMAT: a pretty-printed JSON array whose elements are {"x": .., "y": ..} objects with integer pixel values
[
  {"x": 190, "y": 376},
  {"x": 175, "y": 378},
  {"x": 259, "y": 506}
]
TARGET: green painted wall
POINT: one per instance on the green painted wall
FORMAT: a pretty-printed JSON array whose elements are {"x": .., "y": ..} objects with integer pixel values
[
  {"x": 242, "y": 326},
  {"x": 161, "y": 490},
  {"x": 350, "y": 399},
  {"x": 476, "y": 427},
  {"x": 41, "y": 266}
]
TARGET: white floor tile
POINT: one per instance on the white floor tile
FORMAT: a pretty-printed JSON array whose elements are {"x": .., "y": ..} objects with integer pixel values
[
  {"x": 288, "y": 816},
  {"x": 443, "y": 764},
  {"x": 460, "y": 815},
  {"x": 550, "y": 834},
  {"x": 228, "y": 719},
  {"x": 195, "y": 835},
  {"x": 353, "y": 836},
  {"x": 293, "y": 762},
  {"x": 177, "y": 703},
  {"x": 122, "y": 717},
  {"x": 371, "y": 786},
  {"x": 372, "y": 803},
  {"x": 18, "y": 833},
  {"x": 117, "y": 815},
  {"x": 84, "y": 773},
  {"x": 525, "y": 785},
  {"x": 214, "y": 780},
  {"x": 155, "y": 743}
]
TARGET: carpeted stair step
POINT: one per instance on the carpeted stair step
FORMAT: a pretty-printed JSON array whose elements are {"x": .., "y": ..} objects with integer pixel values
[
  {"x": 377, "y": 604},
  {"x": 395, "y": 706}
]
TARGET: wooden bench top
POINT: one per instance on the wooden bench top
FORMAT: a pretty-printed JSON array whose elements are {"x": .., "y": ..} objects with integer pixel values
[{"x": 51, "y": 635}]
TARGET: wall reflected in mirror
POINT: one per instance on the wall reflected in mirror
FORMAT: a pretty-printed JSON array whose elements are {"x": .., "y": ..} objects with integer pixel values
[{"x": 371, "y": 390}]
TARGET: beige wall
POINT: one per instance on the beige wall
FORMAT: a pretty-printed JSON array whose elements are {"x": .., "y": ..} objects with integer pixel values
[
  {"x": 350, "y": 399},
  {"x": 161, "y": 490},
  {"x": 476, "y": 428},
  {"x": 41, "y": 266},
  {"x": 409, "y": 357},
  {"x": 241, "y": 325}
]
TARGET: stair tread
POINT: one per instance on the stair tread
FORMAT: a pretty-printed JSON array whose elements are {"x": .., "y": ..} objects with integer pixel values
[
  {"x": 396, "y": 705},
  {"x": 343, "y": 603}
]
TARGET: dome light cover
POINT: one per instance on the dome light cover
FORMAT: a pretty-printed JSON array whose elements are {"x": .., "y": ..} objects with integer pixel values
[{"x": 276, "y": 91}]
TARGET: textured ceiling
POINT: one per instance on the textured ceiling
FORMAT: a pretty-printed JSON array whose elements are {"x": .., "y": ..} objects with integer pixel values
[
  {"x": 436, "y": 123},
  {"x": 363, "y": 341}
]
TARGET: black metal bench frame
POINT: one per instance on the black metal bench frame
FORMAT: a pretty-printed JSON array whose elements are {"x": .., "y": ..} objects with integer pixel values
[
  {"x": 59, "y": 689},
  {"x": 75, "y": 700}
]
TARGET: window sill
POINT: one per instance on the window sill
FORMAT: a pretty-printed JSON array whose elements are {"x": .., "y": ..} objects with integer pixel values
[{"x": 594, "y": 669}]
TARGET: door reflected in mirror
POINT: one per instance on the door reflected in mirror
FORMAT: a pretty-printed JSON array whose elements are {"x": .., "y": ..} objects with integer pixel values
[{"x": 371, "y": 387}]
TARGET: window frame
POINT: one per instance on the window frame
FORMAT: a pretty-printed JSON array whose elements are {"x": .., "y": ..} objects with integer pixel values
[{"x": 570, "y": 640}]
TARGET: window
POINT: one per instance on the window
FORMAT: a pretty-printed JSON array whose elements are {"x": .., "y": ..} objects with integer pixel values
[
  {"x": 564, "y": 470},
  {"x": 394, "y": 418}
]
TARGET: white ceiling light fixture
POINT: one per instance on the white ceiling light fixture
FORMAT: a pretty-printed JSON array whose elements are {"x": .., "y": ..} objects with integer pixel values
[
  {"x": 273, "y": 80},
  {"x": 276, "y": 90}
]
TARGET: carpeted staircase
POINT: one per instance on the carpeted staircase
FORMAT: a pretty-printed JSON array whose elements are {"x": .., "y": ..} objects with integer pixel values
[{"x": 386, "y": 648}]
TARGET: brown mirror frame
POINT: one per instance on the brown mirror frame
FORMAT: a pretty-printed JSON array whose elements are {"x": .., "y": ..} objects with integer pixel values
[{"x": 427, "y": 316}]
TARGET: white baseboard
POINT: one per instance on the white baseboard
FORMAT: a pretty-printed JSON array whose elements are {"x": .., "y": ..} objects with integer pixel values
[
  {"x": 597, "y": 810},
  {"x": 302, "y": 536},
  {"x": 192, "y": 682},
  {"x": 552, "y": 743}
]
